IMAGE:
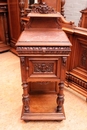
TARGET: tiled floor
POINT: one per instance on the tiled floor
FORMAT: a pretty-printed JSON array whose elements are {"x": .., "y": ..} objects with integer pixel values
[{"x": 11, "y": 104}]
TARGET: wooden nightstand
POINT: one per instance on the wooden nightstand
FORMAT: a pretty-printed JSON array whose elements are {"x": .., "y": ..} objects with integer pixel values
[{"x": 43, "y": 49}]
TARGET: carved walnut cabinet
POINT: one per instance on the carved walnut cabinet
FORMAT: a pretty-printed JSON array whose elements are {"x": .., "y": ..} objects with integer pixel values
[{"x": 43, "y": 49}]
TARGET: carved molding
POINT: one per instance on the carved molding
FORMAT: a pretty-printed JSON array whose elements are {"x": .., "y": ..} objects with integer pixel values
[
  {"x": 75, "y": 80},
  {"x": 44, "y": 50}
]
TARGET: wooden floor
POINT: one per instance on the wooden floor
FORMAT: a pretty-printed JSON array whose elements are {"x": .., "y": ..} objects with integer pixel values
[{"x": 11, "y": 105}]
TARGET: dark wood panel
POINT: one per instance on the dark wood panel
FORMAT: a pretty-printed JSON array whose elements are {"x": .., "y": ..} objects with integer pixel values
[
  {"x": 2, "y": 35},
  {"x": 4, "y": 38},
  {"x": 14, "y": 20}
]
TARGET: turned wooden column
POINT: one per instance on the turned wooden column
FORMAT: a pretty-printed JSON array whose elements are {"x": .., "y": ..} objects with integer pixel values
[
  {"x": 25, "y": 98},
  {"x": 22, "y": 6},
  {"x": 22, "y": 12},
  {"x": 25, "y": 95},
  {"x": 62, "y": 7},
  {"x": 60, "y": 98},
  {"x": 60, "y": 95}
]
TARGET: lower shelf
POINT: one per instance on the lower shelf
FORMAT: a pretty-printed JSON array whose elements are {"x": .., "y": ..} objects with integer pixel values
[{"x": 43, "y": 107}]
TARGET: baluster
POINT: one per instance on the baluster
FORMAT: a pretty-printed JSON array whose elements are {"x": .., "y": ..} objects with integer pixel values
[
  {"x": 62, "y": 7},
  {"x": 60, "y": 98},
  {"x": 25, "y": 98},
  {"x": 22, "y": 5}
]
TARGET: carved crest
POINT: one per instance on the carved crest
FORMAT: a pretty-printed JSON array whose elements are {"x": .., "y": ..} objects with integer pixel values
[{"x": 42, "y": 8}]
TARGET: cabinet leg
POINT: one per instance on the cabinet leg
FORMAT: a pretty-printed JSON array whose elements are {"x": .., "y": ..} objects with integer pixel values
[
  {"x": 25, "y": 98},
  {"x": 60, "y": 97}
]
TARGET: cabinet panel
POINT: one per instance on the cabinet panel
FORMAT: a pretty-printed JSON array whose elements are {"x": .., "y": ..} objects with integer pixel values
[
  {"x": 2, "y": 33},
  {"x": 4, "y": 38},
  {"x": 42, "y": 68},
  {"x": 14, "y": 21}
]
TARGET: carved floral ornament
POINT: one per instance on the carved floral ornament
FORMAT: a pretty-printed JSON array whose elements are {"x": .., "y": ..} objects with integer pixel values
[
  {"x": 42, "y": 8},
  {"x": 43, "y": 67}
]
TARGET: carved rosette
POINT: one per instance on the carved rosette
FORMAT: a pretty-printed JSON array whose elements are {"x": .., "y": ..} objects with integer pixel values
[{"x": 44, "y": 50}]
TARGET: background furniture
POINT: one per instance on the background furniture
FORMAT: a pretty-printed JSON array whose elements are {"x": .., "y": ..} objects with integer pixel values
[
  {"x": 4, "y": 36},
  {"x": 76, "y": 76},
  {"x": 83, "y": 19}
]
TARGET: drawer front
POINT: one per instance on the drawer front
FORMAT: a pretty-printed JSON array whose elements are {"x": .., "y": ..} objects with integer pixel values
[{"x": 43, "y": 68}]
